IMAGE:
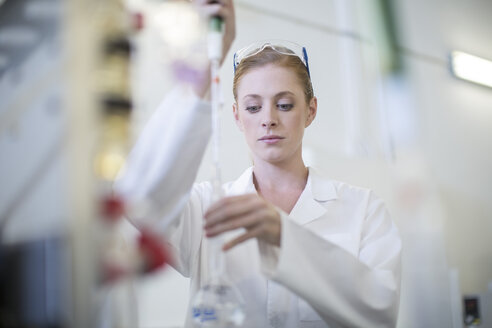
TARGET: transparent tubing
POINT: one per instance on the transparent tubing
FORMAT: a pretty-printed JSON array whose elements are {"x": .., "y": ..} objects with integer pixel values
[{"x": 218, "y": 303}]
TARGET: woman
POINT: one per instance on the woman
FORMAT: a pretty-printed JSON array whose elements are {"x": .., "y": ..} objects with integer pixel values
[{"x": 312, "y": 252}]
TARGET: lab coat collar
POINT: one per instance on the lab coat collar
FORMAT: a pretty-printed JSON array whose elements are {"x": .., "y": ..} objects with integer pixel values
[
  {"x": 244, "y": 184},
  {"x": 322, "y": 189},
  {"x": 309, "y": 205}
]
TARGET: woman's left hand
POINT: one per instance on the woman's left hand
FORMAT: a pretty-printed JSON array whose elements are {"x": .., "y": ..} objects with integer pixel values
[{"x": 260, "y": 219}]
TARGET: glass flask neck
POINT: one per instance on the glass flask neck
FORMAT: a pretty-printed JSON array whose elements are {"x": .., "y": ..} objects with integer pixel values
[{"x": 216, "y": 265}]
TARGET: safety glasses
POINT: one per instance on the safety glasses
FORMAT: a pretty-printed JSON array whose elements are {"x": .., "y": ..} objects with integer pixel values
[{"x": 281, "y": 46}]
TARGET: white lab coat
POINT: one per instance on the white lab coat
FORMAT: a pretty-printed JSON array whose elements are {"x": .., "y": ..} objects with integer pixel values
[{"x": 339, "y": 260}]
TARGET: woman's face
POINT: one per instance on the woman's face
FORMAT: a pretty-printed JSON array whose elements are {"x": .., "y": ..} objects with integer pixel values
[{"x": 272, "y": 112}]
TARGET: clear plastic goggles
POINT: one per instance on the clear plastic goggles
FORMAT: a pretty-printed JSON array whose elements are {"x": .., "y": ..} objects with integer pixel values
[{"x": 281, "y": 46}]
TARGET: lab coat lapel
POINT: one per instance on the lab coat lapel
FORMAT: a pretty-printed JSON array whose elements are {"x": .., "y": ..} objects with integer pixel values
[
  {"x": 309, "y": 206},
  {"x": 243, "y": 185}
]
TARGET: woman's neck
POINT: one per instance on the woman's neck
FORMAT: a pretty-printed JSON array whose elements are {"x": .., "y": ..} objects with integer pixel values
[
  {"x": 281, "y": 185},
  {"x": 279, "y": 176}
]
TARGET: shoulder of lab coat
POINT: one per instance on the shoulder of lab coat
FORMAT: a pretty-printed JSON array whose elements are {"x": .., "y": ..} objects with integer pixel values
[
  {"x": 340, "y": 252},
  {"x": 162, "y": 166}
]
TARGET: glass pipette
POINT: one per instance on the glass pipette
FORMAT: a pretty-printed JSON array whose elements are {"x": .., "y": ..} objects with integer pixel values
[{"x": 218, "y": 303}]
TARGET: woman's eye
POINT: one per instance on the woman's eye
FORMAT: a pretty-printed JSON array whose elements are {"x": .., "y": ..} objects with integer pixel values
[
  {"x": 253, "y": 109},
  {"x": 285, "y": 107}
]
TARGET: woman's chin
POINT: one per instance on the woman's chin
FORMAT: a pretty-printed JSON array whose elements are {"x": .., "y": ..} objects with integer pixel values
[{"x": 272, "y": 157}]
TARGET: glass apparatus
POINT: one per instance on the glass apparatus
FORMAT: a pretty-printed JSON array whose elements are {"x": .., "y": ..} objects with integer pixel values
[{"x": 218, "y": 303}]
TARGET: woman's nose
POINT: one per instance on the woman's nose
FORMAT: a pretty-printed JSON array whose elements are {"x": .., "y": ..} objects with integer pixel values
[
  {"x": 269, "y": 123},
  {"x": 270, "y": 119}
]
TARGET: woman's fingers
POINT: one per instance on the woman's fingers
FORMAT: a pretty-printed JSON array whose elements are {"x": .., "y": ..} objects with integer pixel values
[
  {"x": 205, "y": 2},
  {"x": 247, "y": 221},
  {"x": 256, "y": 215},
  {"x": 216, "y": 10},
  {"x": 253, "y": 233},
  {"x": 229, "y": 207},
  {"x": 225, "y": 10},
  {"x": 222, "y": 8},
  {"x": 229, "y": 200}
]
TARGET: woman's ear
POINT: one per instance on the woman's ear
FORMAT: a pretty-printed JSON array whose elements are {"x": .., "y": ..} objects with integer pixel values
[
  {"x": 312, "y": 110},
  {"x": 235, "y": 112}
]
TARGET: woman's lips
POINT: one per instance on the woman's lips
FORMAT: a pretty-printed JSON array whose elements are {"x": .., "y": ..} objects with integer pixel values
[{"x": 271, "y": 139}]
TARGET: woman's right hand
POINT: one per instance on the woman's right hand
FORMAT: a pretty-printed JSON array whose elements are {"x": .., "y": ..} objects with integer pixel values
[{"x": 225, "y": 10}]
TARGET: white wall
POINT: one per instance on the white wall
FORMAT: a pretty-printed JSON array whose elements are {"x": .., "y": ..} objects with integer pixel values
[{"x": 455, "y": 124}]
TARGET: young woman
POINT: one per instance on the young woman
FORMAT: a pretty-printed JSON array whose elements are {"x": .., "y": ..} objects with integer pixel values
[{"x": 304, "y": 250}]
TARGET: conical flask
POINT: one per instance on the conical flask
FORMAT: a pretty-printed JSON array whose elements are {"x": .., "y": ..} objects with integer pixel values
[{"x": 218, "y": 303}]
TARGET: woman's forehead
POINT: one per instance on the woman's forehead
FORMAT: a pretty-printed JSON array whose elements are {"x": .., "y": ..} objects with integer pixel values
[{"x": 270, "y": 79}]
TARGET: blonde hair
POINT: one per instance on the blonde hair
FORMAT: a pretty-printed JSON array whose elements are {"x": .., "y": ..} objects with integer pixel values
[{"x": 270, "y": 56}]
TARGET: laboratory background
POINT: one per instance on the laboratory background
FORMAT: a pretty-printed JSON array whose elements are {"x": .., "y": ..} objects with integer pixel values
[{"x": 404, "y": 94}]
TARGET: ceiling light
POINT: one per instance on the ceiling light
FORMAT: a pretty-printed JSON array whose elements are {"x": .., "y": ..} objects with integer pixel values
[{"x": 471, "y": 68}]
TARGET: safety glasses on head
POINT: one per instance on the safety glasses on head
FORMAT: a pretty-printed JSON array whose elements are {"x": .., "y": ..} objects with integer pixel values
[{"x": 281, "y": 46}]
